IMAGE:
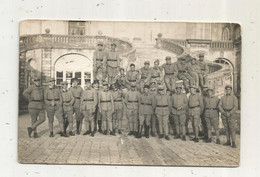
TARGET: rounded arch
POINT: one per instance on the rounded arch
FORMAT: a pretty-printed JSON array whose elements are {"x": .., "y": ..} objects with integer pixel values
[
  {"x": 226, "y": 34},
  {"x": 224, "y": 61},
  {"x": 71, "y": 54}
]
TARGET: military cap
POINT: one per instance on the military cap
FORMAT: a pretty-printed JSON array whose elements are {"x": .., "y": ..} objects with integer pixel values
[
  {"x": 160, "y": 87},
  {"x": 74, "y": 79},
  {"x": 193, "y": 58},
  {"x": 64, "y": 83},
  {"x": 146, "y": 86},
  {"x": 147, "y": 62},
  {"x": 157, "y": 61},
  {"x": 193, "y": 86},
  {"x": 132, "y": 64},
  {"x": 113, "y": 44},
  {"x": 133, "y": 84},
  {"x": 36, "y": 79},
  {"x": 105, "y": 83},
  {"x": 201, "y": 55},
  {"x": 152, "y": 83},
  {"x": 121, "y": 69},
  {"x": 51, "y": 80},
  {"x": 228, "y": 86},
  {"x": 168, "y": 58},
  {"x": 211, "y": 88},
  {"x": 100, "y": 43},
  {"x": 178, "y": 84}
]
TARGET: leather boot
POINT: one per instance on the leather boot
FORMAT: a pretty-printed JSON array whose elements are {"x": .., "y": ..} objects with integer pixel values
[
  {"x": 147, "y": 131},
  {"x": 92, "y": 133},
  {"x": 183, "y": 138},
  {"x": 66, "y": 124},
  {"x": 86, "y": 133},
  {"x": 218, "y": 141},
  {"x": 234, "y": 145},
  {"x": 119, "y": 132},
  {"x": 71, "y": 133},
  {"x": 77, "y": 126},
  {"x": 35, "y": 135},
  {"x": 227, "y": 143},
  {"x": 29, "y": 129},
  {"x": 63, "y": 134},
  {"x": 51, "y": 134},
  {"x": 105, "y": 132},
  {"x": 130, "y": 133}
]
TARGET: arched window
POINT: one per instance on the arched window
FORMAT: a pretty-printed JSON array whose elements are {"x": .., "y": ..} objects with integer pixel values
[{"x": 226, "y": 34}]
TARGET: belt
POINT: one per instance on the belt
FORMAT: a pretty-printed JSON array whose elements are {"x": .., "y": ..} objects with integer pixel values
[
  {"x": 182, "y": 71},
  {"x": 132, "y": 80},
  {"x": 149, "y": 104},
  {"x": 117, "y": 100},
  {"x": 105, "y": 101},
  {"x": 174, "y": 107},
  {"x": 169, "y": 73},
  {"x": 99, "y": 59},
  {"x": 89, "y": 100},
  {"x": 77, "y": 97},
  {"x": 211, "y": 108},
  {"x": 194, "y": 107},
  {"x": 143, "y": 77},
  {"x": 155, "y": 76},
  {"x": 53, "y": 99},
  {"x": 111, "y": 59},
  {"x": 66, "y": 101},
  {"x": 37, "y": 100},
  {"x": 227, "y": 110},
  {"x": 133, "y": 101},
  {"x": 162, "y": 106}
]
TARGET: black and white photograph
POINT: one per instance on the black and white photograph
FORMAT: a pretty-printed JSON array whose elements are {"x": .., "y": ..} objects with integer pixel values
[{"x": 146, "y": 93}]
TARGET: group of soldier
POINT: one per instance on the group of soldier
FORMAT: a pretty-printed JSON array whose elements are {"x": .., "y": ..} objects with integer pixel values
[{"x": 146, "y": 97}]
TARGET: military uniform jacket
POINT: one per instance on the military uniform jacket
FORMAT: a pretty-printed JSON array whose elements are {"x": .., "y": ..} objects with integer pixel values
[
  {"x": 170, "y": 69},
  {"x": 121, "y": 79},
  {"x": 113, "y": 59},
  {"x": 99, "y": 58},
  {"x": 146, "y": 104},
  {"x": 132, "y": 99},
  {"x": 52, "y": 95},
  {"x": 89, "y": 99},
  {"x": 194, "y": 68},
  {"x": 162, "y": 104},
  {"x": 118, "y": 99},
  {"x": 156, "y": 73},
  {"x": 228, "y": 103},
  {"x": 106, "y": 101},
  {"x": 77, "y": 93},
  {"x": 35, "y": 97},
  {"x": 67, "y": 99},
  {"x": 195, "y": 104},
  {"x": 203, "y": 66},
  {"x": 145, "y": 74},
  {"x": 132, "y": 76},
  {"x": 179, "y": 100},
  {"x": 211, "y": 106},
  {"x": 182, "y": 67}
]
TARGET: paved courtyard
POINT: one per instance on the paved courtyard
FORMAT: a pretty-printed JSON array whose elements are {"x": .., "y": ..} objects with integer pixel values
[{"x": 120, "y": 149}]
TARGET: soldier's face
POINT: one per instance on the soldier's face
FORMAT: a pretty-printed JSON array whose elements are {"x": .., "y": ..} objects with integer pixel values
[
  {"x": 132, "y": 68},
  {"x": 113, "y": 47},
  {"x": 193, "y": 62},
  {"x": 156, "y": 65},
  {"x": 228, "y": 91},
  {"x": 75, "y": 83},
  {"x": 122, "y": 71},
  {"x": 37, "y": 83},
  {"x": 100, "y": 47},
  {"x": 105, "y": 87},
  {"x": 146, "y": 90},
  {"x": 168, "y": 61},
  {"x": 146, "y": 66},
  {"x": 88, "y": 85},
  {"x": 64, "y": 86},
  {"x": 193, "y": 90},
  {"x": 201, "y": 58},
  {"x": 210, "y": 92},
  {"x": 51, "y": 84},
  {"x": 161, "y": 92},
  {"x": 178, "y": 90},
  {"x": 133, "y": 88}
]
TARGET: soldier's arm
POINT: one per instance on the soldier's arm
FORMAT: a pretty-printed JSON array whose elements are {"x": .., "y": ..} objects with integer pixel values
[
  {"x": 185, "y": 105},
  {"x": 220, "y": 107},
  {"x": 149, "y": 76},
  {"x": 72, "y": 99},
  {"x": 201, "y": 104},
  {"x": 112, "y": 101},
  {"x": 45, "y": 96},
  {"x": 99, "y": 101},
  {"x": 27, "y": 94},
  {"x": 235, "y": 101},
  {"x": 206, "y": 69},
  {"x": 161, "y": 67},
  {"x": 176, "y": 71},
  {"x": 105, "y": 60},
  {"x": 169, "y": 104}
]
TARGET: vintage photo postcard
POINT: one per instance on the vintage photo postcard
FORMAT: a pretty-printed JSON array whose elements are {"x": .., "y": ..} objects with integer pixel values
[{"x": 129, "y": 93}]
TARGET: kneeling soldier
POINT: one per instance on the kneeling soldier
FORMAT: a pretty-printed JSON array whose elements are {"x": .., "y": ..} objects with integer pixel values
[
  {"x": 179, "y": 106},
  {"x": 211, "y": 113},
  {"x": 68, "y": 100},
  {"x": 106, "y": 108},
  {"x": 228, "y": 106},
  {"x": 145, "y": 111},
  {"x": 163, "y": 106},
  {"x": 195, "y": 110},
  {"x": 53, "y": 105},
  {"x": 88, "y": 107}
]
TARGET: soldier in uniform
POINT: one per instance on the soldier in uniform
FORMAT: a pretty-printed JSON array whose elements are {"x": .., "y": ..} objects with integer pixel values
[
  {"x": 156, "y": 73},
  {"x": 145, "y": 73},
  {"x": 204, "y": 70},
  {"x": 196, "y": 107},
  {"x": 170, "y": 74},
  {"x": 154, "y": 123},
  {"x": 67, "y": 105},
  {"x": 88, "y": 106},
  {"x": 118, "y": 105},
  {"x": 204, "y": 132},
  {"x": 99, "y": 62},
  {"x": 132, "y": 100},
  {"x": 163, "y": 106},
  {"x": 34, "y": 94},
  {"x": 121, "y": 78},
  {"x": 53, "y": 106},
  {"x": 132, "y": 76},
  {"x": 113, "y": 64},
  {"x": 211, "y": 115},
  {"x": 97, "y": 116},
  {"x": 228, "y": 105},
  {"x": 194, "y": 70},
  {"x": 145, "y": 111},
  {"x": 76, "y": 91},
  {"x": 183, "y": 73},
  {"x": 179, "y": 106},
  {"x": 106, "y": 108}
]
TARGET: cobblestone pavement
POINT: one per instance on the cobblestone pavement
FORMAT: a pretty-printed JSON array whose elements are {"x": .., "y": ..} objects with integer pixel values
[{"x": 123, "y": 150}]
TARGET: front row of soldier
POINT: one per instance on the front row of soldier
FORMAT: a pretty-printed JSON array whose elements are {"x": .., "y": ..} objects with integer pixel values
[{"x": 143, "y": 110}]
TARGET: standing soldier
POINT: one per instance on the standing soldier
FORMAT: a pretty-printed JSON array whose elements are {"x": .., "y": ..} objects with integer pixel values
[
  {"x": 97, "y": 116},
  {"x": 196, "y": 107},
  {"x": 211, "y": 115},
  {"x": 183, "y": 73},
  {"x": 121, "y": 78},
  {"x": 53, "y": 106},
  {"x": 154, "y": 123},
  {"x": 145, "y": 111},
  {"x": 170, "y": 74},
  {"x": 145, "y": 73},
  {"x": 132, "y": 76},
  {"x": 88, "y": 106},
  {"x": 204, "y": 70},
  {"x": 34, "y": 94},
  {"x": 106, "y": 108},
  {"x": 228, "y": 106},
  {"x": 179, "y": 106},
  {"x": 76, "y": 91},
  {"x": 118, "y": 106},
  {"x": 67, "y": 105},
  {"x": 204, "y": 94},
  {"x": 99, "y": 62},
  {"x": 113, "y": 64},
  {"x": 132, "y": 100},
  {"x": 194, "y": 70},
  {"x": 163, "y": 106},
  {"x": 156, "y": 73}
]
